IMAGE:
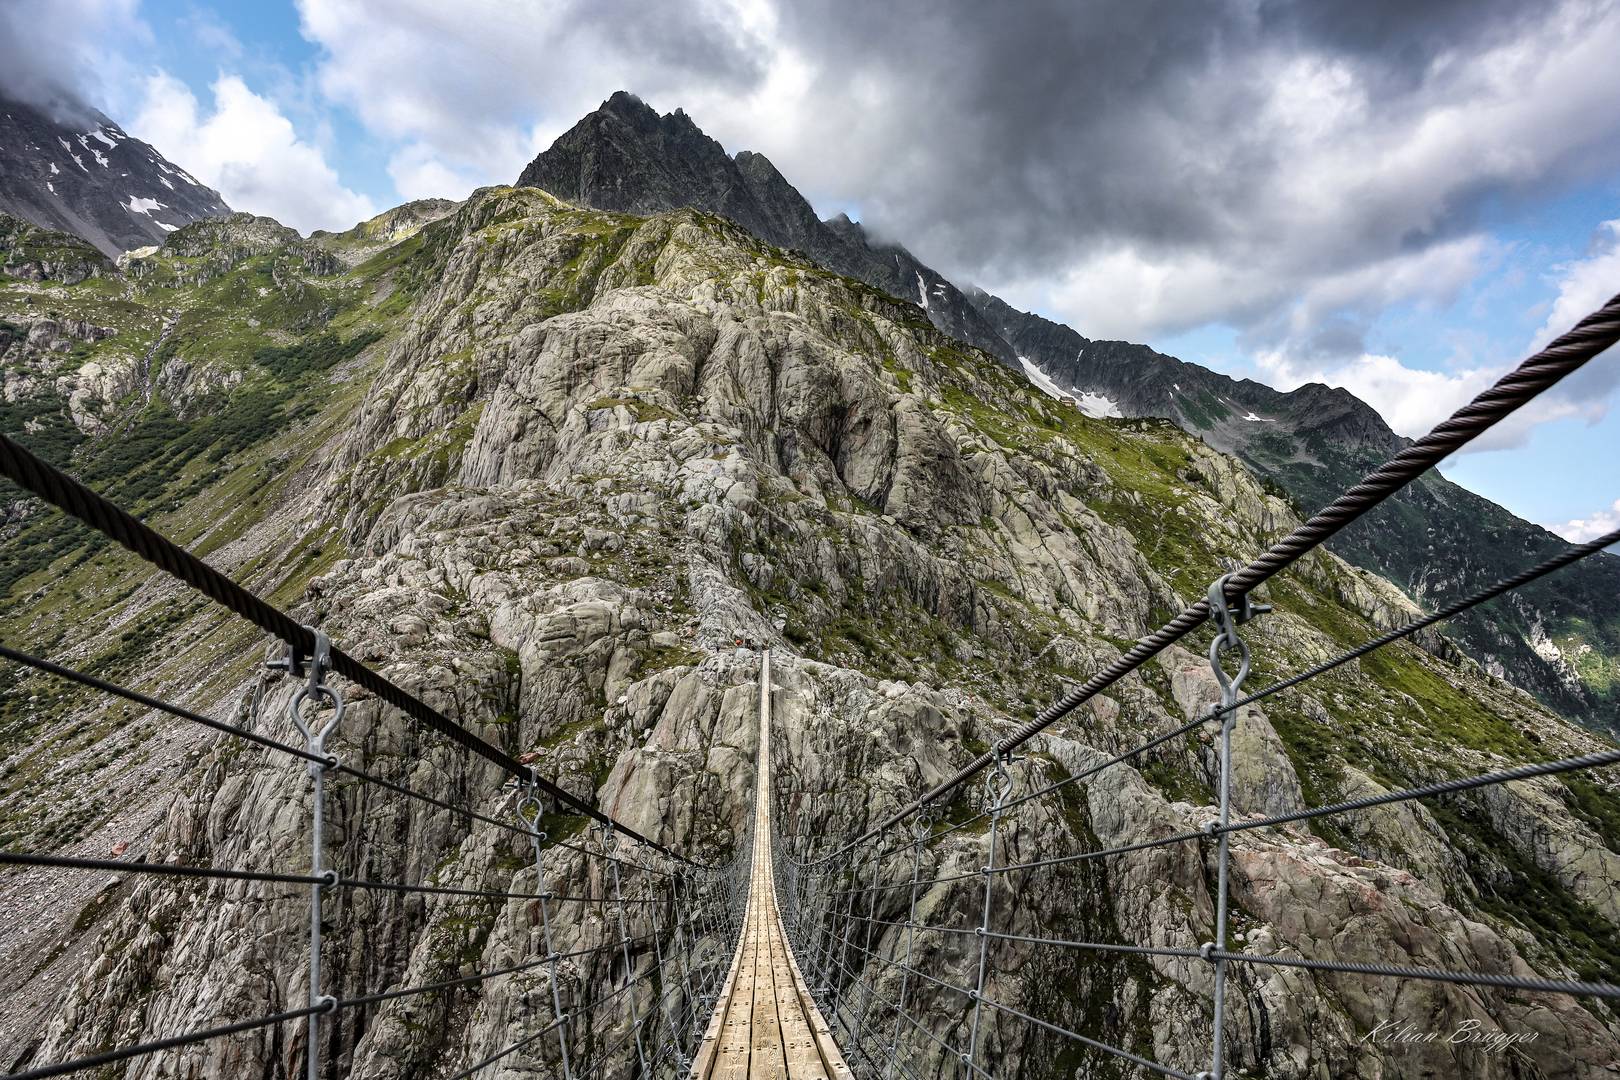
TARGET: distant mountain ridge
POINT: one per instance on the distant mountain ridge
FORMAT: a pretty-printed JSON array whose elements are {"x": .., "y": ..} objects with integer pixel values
[
  {"x": 1559, "y": 638},
  {"x": 80, "y": 173}
]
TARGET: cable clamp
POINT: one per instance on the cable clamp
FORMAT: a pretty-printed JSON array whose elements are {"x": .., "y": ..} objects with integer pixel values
[
  {"x": 319, "y": 663},
  {"x": 1227, "y": 619},
  {"x": 1205, "y": 949},
  {"x": 1002, "y": 781}
]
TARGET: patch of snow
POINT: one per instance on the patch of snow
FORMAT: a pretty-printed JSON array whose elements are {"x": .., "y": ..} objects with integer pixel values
[
  {"x": 65, "y": 144},
  {"x": 102, "y": 135},
  {"x": 922, "y": 291},
  {"x": 1259, "y": 419},
  {"x": 138, "y": 205},
  {"x": 54, "y": 170},
  {"x": 101, "y": 159},
  {"x": 164, "y": 225},
  {"x": 1041, "y": 379},
  {"x": 51, "y": 186},
  {"x": 1177, "y": 387},
  {"x": 164, "y": 180},
  {"x": 1098, "y": 406},
  {"x": 78, "y": 162}
]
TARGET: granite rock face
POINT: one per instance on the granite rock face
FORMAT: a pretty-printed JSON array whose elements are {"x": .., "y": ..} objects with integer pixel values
[
  {"x": 595, "y": 450},
  {"x": 1559, "y": 639},
  {"x": 625, "y": 156}
]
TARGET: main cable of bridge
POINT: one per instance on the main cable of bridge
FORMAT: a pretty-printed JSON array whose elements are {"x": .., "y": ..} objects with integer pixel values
[
  {"x": 703, "y": 902},
  {"x": 825, "y": 909},
  {"x": 49, "y": 483},
  {"x": 1561, "y": 358}
]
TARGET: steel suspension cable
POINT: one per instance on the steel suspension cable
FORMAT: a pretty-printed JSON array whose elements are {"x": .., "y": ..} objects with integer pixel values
[
  {"x": 1570, "y": 555},
  {"x": 1565, "y": 355},
  {"x": 331, "y": 878},
  {"x": 330, "y": 761},
  {"x": 62, "y": 491}
]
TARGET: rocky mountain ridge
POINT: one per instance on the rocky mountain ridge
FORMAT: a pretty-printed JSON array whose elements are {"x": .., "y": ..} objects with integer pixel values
[
  {"x": 1437, "y": 540},
  {"x": 543, "y": 465},
  {"x": 73, "y": 170},
  {"x": 626, "y": 157}
]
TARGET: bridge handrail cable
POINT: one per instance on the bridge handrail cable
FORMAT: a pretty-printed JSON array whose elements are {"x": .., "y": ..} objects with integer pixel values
[
  {"x": 1562, "y": 357},
  {"x": 54, "y": 486},
  {"x": 824, "y": 909}
]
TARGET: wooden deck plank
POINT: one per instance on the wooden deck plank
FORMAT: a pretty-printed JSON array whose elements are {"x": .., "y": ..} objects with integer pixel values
[{"x": 766, "y": 1025}]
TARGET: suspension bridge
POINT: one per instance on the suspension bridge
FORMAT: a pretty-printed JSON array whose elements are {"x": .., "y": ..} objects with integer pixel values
[{"x": 799, "y": 957}]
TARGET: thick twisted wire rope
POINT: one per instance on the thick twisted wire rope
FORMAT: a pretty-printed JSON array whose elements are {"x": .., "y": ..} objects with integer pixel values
[
  {"x": 1565, "y": 355},
  {"x": 57, "y": 488}
]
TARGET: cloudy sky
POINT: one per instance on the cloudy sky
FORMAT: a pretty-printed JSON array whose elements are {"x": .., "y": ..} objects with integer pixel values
[{"x": 1400, "y": 198}]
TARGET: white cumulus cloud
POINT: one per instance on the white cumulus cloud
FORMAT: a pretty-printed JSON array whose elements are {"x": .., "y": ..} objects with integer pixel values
[
  {"x": 470, "y": 92},
  {"x": 1411, "y": 400},
  {"x": 1585, "y": 284},
  {"x": 1580, "y": 530},
  {"x": 246, "y": 148}
]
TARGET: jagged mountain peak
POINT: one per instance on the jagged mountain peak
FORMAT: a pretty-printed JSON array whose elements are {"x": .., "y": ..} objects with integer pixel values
[
  {"x": 1312, "y": 442},
  {"x": 547, "y": 466},
  {"x": 73, "y": 169},
  {"x": 625, "y": 156}
]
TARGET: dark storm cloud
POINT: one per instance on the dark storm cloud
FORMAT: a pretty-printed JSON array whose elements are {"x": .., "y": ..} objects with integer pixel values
[
  {"x": 1128, "y": 119},
  {"x": 48, "y": 50},
  {"x": 1016, "y": 140},
  {"x": 682, "y": 37}
]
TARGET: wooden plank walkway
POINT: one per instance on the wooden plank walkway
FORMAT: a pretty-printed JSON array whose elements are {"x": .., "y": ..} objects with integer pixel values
[{"x": 766, "y": 1025}]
